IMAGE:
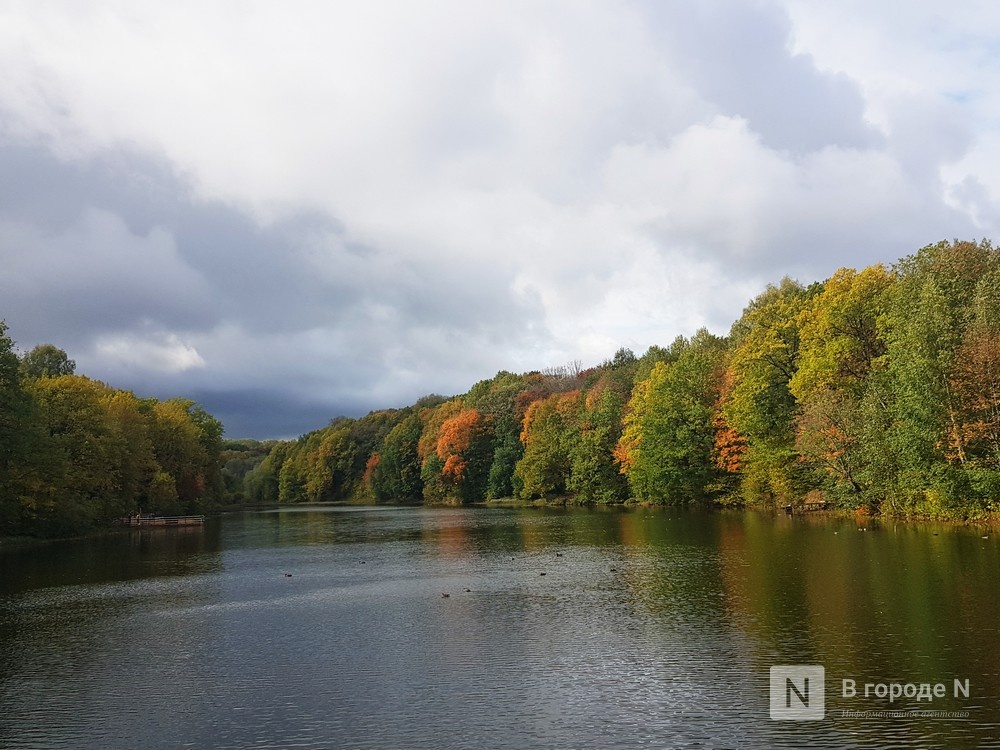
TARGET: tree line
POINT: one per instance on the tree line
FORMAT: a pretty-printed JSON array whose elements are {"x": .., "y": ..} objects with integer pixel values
[
  {"x": 75, "y": 452},
  {"x": 876, "y": 389}
]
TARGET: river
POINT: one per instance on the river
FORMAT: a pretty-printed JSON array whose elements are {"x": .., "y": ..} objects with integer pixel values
[{"x": 376, "y": 627}]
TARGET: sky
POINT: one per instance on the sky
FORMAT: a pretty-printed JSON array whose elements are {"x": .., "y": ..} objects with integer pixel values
[{"x": 294, "y": 211}]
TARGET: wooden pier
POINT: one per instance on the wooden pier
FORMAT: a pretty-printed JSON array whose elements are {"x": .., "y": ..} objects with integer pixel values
[{"x": 143, "y": 520}]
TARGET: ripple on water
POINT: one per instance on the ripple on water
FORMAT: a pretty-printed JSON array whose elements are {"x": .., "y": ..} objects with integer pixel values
[{"x": 644, "y": 632}]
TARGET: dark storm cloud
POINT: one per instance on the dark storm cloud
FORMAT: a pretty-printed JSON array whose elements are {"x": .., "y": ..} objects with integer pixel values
[
  {"x": 271, "y": 413},
  {"x": 250, "y": 271},
  {"x": 150, "y": 290}
]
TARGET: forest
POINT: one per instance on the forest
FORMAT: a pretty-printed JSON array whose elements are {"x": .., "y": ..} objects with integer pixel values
[
  {"x": 876, "y": 391},
  {"x": 75, "y": 453}
]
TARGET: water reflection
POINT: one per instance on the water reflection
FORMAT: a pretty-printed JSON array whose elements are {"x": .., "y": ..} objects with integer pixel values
[{"x": 321, "y": 627}]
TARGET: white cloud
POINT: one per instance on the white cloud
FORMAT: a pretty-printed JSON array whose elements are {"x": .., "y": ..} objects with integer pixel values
[
  {"x": 388, "y": 198},
  {"x": 157, "y": 352}
]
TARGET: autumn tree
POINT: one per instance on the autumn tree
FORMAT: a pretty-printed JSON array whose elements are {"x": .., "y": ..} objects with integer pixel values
[
  {"x": 75, "y": 452},
  {"x": 131, "y": 459},
  {"x": 186, "y": 443},
  {"x": 549, "y": 434},
  {"x": 76, "y": 449},
  {"x": 436, "y": 486},
  {"x": 839, "y": 344},
  {"x": 464, "y": 450},
  {"x": 666, "y": 447},
  {"x": 729, "y": 447},
  {"x": 974, "y": 388},
  {"x": 761, "y": 407},
  {"x": 594, "y": 475}
]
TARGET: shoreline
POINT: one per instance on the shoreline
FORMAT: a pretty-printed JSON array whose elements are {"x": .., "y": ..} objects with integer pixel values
[{"x": 990, "y": 521}]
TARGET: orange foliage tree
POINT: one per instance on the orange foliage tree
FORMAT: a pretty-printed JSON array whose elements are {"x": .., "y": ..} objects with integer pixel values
[
  {"x": 729, "y": 445},
  {"x": 975, "y": 386},
  {"x": 458, "y": 465},
  {"x": 455, "y": 437}
]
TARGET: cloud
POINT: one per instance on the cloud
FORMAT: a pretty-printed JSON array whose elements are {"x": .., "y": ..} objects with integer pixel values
[
  {"x": 163, "y": 352},
  {"x": 68, "y": 279},
  {"x": 737, "y": 56},
  {"x": 319, "y": 209},
  {"x": 293, "y": 308}
]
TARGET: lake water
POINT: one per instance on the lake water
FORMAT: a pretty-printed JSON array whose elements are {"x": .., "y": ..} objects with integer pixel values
[{"x": 328, "y": 628}]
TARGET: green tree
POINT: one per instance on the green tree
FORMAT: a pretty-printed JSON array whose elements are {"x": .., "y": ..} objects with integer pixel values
[
  {"x": 594, "y": 474},
  {"x": 839, "y": 345},
  {"x": 239, "y": 458},
  {"x": 760, "y": 406},
  {"x": 930, "y": 312},
  {"x": 17, "y": 435},
  {"x": 396, "y": 474},
  {"x": 550, "y": 434},
  {"x": 261, "y": 483},
  {"x": 46, "y": 361},
  {"x": 498, "y": 400},
  {"x": 666, "y": 448}
]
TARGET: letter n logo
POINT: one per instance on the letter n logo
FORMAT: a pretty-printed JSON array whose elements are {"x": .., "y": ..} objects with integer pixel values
[{"x": 797, "y": 692}]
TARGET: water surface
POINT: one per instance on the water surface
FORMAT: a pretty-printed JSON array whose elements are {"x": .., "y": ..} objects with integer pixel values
[{"x": 329, "y": 628}]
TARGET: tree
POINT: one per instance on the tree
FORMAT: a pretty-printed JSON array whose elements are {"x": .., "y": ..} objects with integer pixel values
[
  {"x": 498, "y": 400},
  {"x": 760, "y": 406},
  {"x": 132, "y": 463},
  {"x": 839, "y": 337},
  {"x": 729, "y": 446},
  {"x": 75, "y": 452},
  {"x": 262, "y": 482},
  {"x": 840, "y": 343},
  {"x": 436, "y": 486},
  {"x": 186, "y": 443},
  {"x": 239, "y": 459},
  {"x": 921, "y": 461},
  {"x": 550, "y": 433},
  {"x": 395, "y": 474},
  {"x": 974, "y": 387},
  {"x": 464, "y": 449},
  {"x": 594, "y": 475},
  {"x": 78, "y": 471},
  {"x": 16, "y": 436},
  {"x": 46, "y": 361},
  {"x": 666, "y": 447}
]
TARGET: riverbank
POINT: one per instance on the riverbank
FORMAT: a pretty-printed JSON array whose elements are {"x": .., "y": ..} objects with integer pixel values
[
  {"x": 987, "y": 520},
  {"x": 990, "y": 521}
]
